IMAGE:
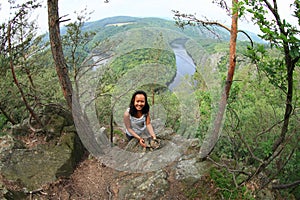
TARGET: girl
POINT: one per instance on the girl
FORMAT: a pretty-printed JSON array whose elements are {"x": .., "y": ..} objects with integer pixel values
[{"x": 137, "y": 118}]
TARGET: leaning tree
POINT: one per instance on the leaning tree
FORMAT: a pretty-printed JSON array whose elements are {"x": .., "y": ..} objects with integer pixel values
[{"x": 283, "y": 36}]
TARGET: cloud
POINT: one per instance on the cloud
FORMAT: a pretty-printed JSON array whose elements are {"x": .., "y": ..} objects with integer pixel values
[{"x": 142, "y": 8}]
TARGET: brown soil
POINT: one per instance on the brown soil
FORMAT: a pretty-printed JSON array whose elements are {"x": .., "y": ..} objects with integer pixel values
[
  {"x": 90, "y": 180},
  {"x": 93, "y": 180}
]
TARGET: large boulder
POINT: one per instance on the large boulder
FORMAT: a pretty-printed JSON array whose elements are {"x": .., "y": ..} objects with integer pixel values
[
  {"x": 26, "y": 167},
  {"x": 28, "y": 170}
]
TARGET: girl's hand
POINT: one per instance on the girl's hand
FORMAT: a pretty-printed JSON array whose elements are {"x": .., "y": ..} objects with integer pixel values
[{"x": 142, "y": 142}]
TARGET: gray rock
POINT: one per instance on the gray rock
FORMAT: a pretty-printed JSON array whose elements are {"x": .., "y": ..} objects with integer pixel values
[
  {"x": 189, "y": 169},
  {"x": 32, "y": 168},
  {"x": 147, "y": 186}
]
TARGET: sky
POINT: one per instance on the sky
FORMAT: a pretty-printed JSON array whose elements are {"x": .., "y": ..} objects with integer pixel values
[{"x": 141, "y": 8}]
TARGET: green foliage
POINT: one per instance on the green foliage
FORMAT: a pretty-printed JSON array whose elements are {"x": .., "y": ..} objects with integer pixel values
[
  {"x": 254, "y": 114},
  {"x": 29, "y": 60},
  {"x": 4, "y": 65},
  {"x": 204, "y": 102},
  {"x": 119, "y": 133},
  {"x": 252, "y": 102},
  {"x": 255, "y": 108},
  {"x": 103, "y": 109},
  {"x": 140, "y": 57},
  {"x": 292, "y": 167},
  {"x": 3, "y": 121},
  {"x": 112, "y": 26},
  {"x": 271, "y": 63},
  {"x": 277, "y": 31},
  {"x": 172, "y": 107},
  {"x": 226, "y": 187},
  {"x": 76, "y": 42}
]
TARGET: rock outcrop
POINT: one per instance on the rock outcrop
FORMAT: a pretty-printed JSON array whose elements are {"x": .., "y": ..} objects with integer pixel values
[
  {"x": 26, "y": 169},
  {"x": 152, "y": 185},
  {"x": 29, "y": 169}
]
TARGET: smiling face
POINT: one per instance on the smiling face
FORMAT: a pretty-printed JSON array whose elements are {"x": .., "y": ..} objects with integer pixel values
[{"x": 139, "y": 102}]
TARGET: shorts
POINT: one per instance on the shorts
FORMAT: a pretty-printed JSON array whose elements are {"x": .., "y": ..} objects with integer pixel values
[{"x": 129, "y": 137}]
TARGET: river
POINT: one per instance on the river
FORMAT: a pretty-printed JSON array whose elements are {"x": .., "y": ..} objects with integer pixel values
[{"x": 184, "y": 63}]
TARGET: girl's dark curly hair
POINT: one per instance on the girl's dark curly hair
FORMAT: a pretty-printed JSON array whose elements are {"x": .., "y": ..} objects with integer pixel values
[{"x": 132, "y": 110}]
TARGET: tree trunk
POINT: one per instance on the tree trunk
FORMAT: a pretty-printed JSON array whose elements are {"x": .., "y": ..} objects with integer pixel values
[
  {"x": 23, "y": 96},
  {"x": 290, "y": 66},
  {"x": 8, "y": 117},
  {"x": 57, "y": 52},
  {"x": 210, "y": 142}
]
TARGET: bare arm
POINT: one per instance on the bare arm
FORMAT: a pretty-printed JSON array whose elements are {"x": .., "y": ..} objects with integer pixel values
[{"x": 126, "y": 120}]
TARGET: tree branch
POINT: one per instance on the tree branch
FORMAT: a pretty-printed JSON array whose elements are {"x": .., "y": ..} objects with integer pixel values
[
  {"x": 285, "y": 186},
  {"x": 192, "y": 20}
]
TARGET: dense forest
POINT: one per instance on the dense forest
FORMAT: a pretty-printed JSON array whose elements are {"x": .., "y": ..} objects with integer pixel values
[{"x": 258, "y": 142}]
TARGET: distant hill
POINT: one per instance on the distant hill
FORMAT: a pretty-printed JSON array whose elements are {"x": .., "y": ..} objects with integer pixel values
[{"x": 113, "y": 25}]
